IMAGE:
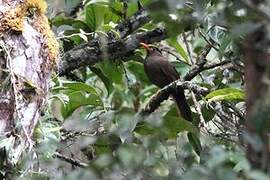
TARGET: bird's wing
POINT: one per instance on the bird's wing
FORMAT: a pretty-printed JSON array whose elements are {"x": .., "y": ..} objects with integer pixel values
[{"x": 169, "y": 71}]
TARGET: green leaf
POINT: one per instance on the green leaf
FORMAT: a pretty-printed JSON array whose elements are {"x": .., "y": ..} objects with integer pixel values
[
  {"x": 208, "y": 113},
  {"x": 174, "y": 43},
  {"x": 102, "y": 145},
  {"x": 225, "y": 45},
  {"x": 137, "y": 69},
  {"x": 62, "y": 20},
  {"x": 145, "y": 128},
  {"x": 107, "y": 82},
  {"x": 174, "y": 125},
  {"x": 117, "y": 99},
  {"x": 56, "y": 103},
  {"x": 69, "y": 86},
  {"x": 195, "y": 142},
  {"x": 95, "y": 15},
  {"x": 226, "y": 94},
  {"x": 112, "y": 71},
  {"x": 72, "y": 95},
  {"x": 79, "y": 86},
  {"x": 198, "y": 44},
  {"x": 131, "y": 155},
  {"x": 78, "y": 99}
]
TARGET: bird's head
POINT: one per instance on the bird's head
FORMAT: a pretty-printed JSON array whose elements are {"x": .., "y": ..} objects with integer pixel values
[{"x": 151, "y": 49}]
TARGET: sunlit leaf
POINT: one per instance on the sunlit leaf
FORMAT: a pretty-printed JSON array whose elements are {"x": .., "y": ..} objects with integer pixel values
[{"x": 226, "y": 94}]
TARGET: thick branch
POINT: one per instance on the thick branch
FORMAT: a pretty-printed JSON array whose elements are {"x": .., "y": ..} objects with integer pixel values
[
  {"x": 94, "y": 52},
  {"x": 165, "y": 92},
  {"x": 132, "y": 23}
]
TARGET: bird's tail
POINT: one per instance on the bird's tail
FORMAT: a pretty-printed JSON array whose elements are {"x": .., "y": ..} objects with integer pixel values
[
  {"x": 185, "y": 112},
  {"x": 180, "y": 99}
]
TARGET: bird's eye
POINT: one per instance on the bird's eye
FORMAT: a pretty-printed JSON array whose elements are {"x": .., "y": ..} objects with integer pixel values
[{"x": 154, "y": 49}]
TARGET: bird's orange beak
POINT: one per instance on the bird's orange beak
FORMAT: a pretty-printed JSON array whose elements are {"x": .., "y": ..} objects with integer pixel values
[{"x": 145, "y": 46}]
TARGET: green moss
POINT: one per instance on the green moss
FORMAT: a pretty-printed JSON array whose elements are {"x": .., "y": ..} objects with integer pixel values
[
  {"x": 13, "y": 20},
  {"x": 39, "y": 4},
  {"x": 43, "y": 27}
]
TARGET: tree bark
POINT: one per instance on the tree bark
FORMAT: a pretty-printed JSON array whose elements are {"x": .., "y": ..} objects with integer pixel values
[
  {"x": 257, "y": 64},
  {"x": 28, "y": 54}
]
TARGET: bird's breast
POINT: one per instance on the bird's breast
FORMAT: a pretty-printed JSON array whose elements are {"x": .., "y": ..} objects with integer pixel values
[{"x": 153, "y": 69}]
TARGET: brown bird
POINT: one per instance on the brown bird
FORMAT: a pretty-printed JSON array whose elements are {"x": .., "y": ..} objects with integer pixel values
[{"x": 161, "y": 73}]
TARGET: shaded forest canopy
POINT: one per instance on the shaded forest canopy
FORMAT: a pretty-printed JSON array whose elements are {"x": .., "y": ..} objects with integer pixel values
[{"x": 100, "y": 117}]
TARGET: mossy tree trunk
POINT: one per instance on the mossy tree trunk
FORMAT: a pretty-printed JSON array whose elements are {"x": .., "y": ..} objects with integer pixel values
[{"x": 28, "y": 53}]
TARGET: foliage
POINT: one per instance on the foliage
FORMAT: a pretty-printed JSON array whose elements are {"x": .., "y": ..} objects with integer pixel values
[{"x": 96, "y": 119}]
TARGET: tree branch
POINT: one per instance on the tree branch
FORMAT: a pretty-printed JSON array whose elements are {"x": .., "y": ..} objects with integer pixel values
[
  {"x": 132, "y": 23},
  {"x": 70, "y": 160},
  {"x": 165, "y": 92},
  {"x": 93, "y": 52},
  {"x": 114, "y": 47},
  {"x": 198, "y": 69}
]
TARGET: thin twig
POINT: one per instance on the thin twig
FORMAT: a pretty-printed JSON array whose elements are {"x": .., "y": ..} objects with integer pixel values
[
  {"x": 197, "y": 70},
  {"x": 188, "y": 48},
  {"x": 229, "y": 126},
  {"x": 125, "y": 73},
  {"x": 211, "y": 42},
  {"x": 202, "y": 124},
  {"x": 70, "y": 160},
  {"x": 176, "y": 56}
]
